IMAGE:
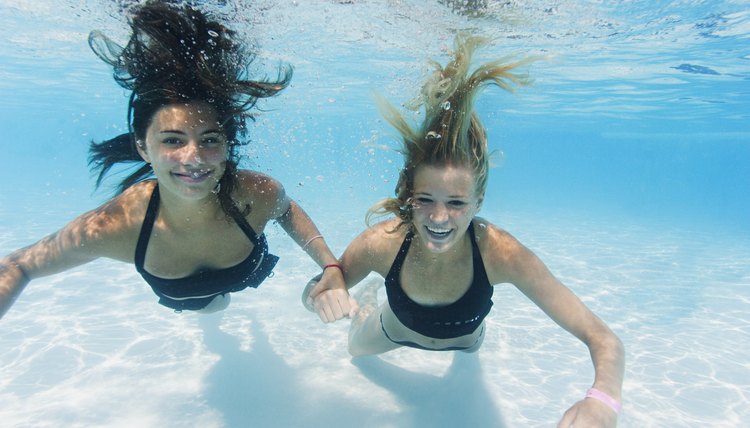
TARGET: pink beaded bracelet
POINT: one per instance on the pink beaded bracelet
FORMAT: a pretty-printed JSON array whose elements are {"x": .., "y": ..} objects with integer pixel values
[{"x": 604, "y": 398}]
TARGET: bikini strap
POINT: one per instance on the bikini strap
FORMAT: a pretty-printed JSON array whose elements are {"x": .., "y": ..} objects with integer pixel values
[
  {"x": 401, "y": 256},
  {"x": 243, "y": 224},
  {"x": 473, "y": 237},
  {"x": 146, "y": 228},
  {"x": 480, "y": 273}
]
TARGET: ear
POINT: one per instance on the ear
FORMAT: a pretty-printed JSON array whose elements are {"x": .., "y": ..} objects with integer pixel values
[
  {"x": 140, "y": 145},
  {"x": 479, "y": 203}
]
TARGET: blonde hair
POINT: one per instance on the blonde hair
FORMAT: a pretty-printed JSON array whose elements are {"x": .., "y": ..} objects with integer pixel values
[{"x": 451, "y": 133}]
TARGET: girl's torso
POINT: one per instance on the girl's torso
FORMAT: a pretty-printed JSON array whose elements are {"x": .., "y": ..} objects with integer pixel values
[
  {"x": 177, "y": 250},
  {"x": 182, "y": 249},
  {"x": 435, "y": 305},
  {"x": 198, "y": 287}
]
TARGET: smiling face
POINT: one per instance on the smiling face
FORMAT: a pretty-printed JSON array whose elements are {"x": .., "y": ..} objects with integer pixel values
[
  {"x": 444, "y": 202},
  {"x": 186, "y": 148}
]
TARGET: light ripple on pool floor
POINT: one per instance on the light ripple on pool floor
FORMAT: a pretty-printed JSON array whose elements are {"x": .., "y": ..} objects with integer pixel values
[{"x": 91, "y": 347}]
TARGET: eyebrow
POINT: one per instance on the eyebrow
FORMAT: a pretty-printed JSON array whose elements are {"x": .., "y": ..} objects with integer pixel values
[
  {"x": 177, "y": 131},
  {"x": 449, "y": 196}
]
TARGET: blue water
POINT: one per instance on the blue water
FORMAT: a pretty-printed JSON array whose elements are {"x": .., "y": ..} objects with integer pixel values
[{"x": 625, "y": 167}]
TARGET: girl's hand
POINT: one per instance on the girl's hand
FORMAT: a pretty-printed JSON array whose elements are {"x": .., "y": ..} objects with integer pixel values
[
  {"x": 589, "y": 413},
  {"x": 326, "y": 294}
]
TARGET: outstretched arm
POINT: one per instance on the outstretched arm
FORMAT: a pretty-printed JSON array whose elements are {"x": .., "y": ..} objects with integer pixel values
[
  {"x": 301, "y": 228},
  {"x": 13, "y": 280},
  {"x": 71, "y": 246},
  {"x": 358, "y": 260},
  {"x": 516, "y": 264},
  {"x": 108, "y": 231}
]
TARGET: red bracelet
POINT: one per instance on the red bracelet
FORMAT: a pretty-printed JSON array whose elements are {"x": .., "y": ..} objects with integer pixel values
[{"x": 336, "y": 265}]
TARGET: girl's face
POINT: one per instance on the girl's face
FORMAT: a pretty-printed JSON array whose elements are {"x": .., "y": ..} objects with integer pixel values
[
  {"x": 444, "y": 202},
  {"x": 186, "y": 148}
]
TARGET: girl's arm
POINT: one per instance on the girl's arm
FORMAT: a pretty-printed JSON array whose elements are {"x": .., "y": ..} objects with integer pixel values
[
  {"x": 13, "y": 279},
  {"x": 84, "y": 239},
  {"x": 512, "y": 262},
  {"x": 364, "y": 255},
  {"x": 298, "y": 225}
]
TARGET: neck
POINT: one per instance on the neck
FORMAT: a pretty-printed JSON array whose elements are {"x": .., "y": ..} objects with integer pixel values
[
  {"x": 454, "y": 256},
  {"x": 180, "y": 212}
]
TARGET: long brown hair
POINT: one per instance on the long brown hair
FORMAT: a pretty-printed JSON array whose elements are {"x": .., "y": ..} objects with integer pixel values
[{"x": 179, "y": 55}]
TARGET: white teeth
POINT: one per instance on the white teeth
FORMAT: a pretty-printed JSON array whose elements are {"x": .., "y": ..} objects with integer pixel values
[
  {"x": 438, "y": 231},
  {"x": 198, "y": 173}
]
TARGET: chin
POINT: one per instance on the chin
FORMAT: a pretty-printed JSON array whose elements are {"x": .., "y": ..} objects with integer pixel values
[
  {"x": 193, "y": 193},
  {"x": 198, "y": 189},
  {"x": 437, "y": 247}
]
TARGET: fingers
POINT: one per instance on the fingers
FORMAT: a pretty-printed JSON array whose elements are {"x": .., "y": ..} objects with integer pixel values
[
  {"x": 588, "y": 413},
  {"x": 314, "y": 287},
  {"x": 353, "y": 307},
  {"x": 333, "y": 305},
  {"x": 329, "y": 297},
  {"x": 568, "y": 417},
  {"x": 311, "y": 290}
]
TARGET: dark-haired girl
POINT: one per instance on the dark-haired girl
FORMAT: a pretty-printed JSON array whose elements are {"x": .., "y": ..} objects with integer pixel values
[{"x": 190, "y": 220}]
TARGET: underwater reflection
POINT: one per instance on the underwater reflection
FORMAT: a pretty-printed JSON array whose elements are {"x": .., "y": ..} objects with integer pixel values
[{"x": 458, "y": 398}]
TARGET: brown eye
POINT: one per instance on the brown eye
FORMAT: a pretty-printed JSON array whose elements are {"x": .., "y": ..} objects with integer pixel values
[
  {"x": 171, "y": 141},
  {"x": 213, "y": 141}
]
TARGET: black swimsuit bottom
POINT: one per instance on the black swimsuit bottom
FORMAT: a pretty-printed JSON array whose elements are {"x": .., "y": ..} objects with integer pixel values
[
  {"x": 418, "y": 346},
  {"x": 197, "y": 290},
  {"x": 456, "y": 319}
]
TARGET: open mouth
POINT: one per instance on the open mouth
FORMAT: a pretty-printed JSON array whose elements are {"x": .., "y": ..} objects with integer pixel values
[
  {"x": 196, "y": 176},
  {"x": 438, "y": 233}
]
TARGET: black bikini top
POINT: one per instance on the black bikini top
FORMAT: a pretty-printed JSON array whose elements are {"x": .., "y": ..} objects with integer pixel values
[
  {"x": 456, "y": 319},
  {"x": 195, "y": 291}
]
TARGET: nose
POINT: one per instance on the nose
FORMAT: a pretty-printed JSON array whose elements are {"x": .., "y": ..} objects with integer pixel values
[
  {"x": 439, "y": 213},
  {"x": 191, "y": 154}
]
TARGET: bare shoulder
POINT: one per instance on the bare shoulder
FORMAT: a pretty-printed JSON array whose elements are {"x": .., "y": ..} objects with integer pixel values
[
  {"x": 113, "y": 227},
  {"x": 111, "y": 231},
  {"x": 256, "y": 182},
  {"x": 380, "y": 242},
  {"x": 494, "y": 239},
  {"x": 501, "y": 252},
  {"x": 261, "y": 192},
  {"x": 385, "y": 234}
]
